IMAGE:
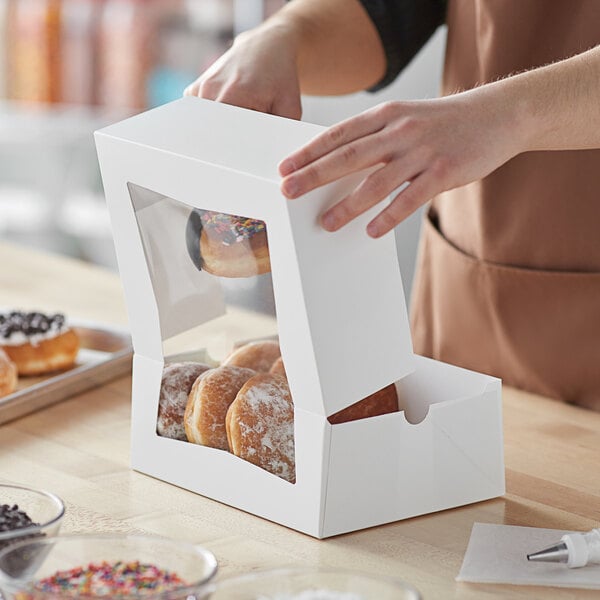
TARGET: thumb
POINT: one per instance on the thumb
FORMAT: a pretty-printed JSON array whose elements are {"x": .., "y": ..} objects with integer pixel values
[{"x": 288, "y": 105}]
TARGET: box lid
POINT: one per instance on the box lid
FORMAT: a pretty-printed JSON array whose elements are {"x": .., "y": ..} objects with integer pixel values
[
  {"x": 238, "y": 139},
  {"x": 341, "y": 312}
]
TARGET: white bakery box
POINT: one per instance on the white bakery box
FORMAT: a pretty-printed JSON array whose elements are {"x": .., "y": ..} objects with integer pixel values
[{"x": 341, "y": 320}]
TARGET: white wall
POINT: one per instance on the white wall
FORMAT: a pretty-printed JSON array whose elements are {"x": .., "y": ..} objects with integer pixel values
[{"x": 421, "y": 79}]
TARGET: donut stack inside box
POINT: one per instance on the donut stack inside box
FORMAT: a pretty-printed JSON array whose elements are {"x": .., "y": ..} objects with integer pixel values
[{"x": 341, "y": 323}]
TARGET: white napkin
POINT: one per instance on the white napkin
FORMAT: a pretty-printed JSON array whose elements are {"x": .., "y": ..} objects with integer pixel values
[{"x": 498, "y": 554}]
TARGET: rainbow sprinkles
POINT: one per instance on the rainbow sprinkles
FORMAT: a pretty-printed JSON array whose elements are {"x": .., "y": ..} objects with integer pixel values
[
  {"x": 108, "y": 579},
  {"x": 231, "y": 229}
]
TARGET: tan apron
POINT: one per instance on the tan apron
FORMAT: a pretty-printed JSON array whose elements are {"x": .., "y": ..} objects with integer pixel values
[{"x": 508, "y": 275}]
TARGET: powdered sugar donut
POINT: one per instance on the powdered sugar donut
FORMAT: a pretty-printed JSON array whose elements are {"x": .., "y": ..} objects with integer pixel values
[
  {"x": 259, "y": 356},
  {"x": 260, "y": 425},
  {"x": 208, "y": 402},
  {"x": 177, "y": 381},
  {"x": 278, "y": 368},
  {"x": 8, "y": 375}
]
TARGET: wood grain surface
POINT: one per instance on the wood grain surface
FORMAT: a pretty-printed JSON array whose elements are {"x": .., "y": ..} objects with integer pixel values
[{"x": 80, "y": 450}]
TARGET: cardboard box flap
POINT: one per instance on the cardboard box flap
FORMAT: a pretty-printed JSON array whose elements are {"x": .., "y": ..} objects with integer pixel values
[
  {"x": 355, "y": 304},
  {"x": 341, "y": 313},
  {"x": 241, "y": 140}
]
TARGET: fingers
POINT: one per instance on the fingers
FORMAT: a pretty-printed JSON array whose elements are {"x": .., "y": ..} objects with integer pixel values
[
  {"x": 375, "y": 188},
  {"x": 384, "y": 136},
  {"x": 193, "y": 89},
  {"x": 207, "y": 87},
  {"x": 288, "y": 105},
  {"x": 238, "y": 93},
  {"x": 349, "y": 158},
  {"x": 421, "y": 189},
  {"x": 335, "y": 137}
]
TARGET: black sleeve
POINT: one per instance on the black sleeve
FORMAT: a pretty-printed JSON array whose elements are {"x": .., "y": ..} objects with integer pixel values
[{"x": 404, "y": 26}]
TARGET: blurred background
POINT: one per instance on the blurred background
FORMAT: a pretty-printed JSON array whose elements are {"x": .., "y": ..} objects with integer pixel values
[{"x": 68, "y": 67}]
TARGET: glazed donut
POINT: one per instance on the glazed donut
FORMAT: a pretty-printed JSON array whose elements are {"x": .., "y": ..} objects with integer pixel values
[
  {"x": 208, "y": 401},
  {"x": 258, "y": 356},
  {"x": 8, "y": 375},
  {"x": 380, "y": 403},
  {"x": 177, "y": 381},
  {"x": 277, "y": 368},
  {"x": 38, "y": 343},
  {"x": 233, "y": 246},
  {"x": 260, "y": 425}
]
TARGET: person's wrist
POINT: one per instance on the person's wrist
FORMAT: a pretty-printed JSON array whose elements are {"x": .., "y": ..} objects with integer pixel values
[
  {"x": 295, "y": 33},
  {"x": 282, "y": 33},
  {"x": 509, "y": 113},
  {"x": 530, "y": 115}
]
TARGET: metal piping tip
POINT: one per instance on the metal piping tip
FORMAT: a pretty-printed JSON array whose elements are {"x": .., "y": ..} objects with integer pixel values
[{"x": 556, "y": 553}]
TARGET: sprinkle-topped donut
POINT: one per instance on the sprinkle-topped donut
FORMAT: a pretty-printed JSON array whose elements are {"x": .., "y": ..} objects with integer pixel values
[
  {"x": 231, "y": 229},
  {"x": 227, "y": 245}
]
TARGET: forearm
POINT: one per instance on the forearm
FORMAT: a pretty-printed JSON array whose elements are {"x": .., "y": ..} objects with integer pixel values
[
  {"x": 337, "y": 47},
  {"x": 556, "y": 107}
]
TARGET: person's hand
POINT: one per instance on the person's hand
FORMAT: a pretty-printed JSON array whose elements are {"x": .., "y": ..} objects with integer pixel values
[
  {"x": 436, "y": 145},
  {"x": 258, "y": 72}
]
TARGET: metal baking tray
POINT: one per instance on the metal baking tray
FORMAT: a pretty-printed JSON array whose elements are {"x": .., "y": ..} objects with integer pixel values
[{"x": 104, "y": 354}]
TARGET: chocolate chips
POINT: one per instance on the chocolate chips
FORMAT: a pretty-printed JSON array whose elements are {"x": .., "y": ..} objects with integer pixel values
[
  {"x": 29, "y": 324},
  {"x": 12, "y": 518}
]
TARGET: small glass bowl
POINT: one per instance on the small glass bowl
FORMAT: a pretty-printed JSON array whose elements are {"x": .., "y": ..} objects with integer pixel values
[
  {"x": 312, "y": 584},
  {"x": 25, "y": 564},
  {"x": 44, "y": 509}
]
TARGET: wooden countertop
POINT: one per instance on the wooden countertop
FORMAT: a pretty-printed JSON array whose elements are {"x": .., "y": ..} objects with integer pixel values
[{"x": 80, "y": 450}]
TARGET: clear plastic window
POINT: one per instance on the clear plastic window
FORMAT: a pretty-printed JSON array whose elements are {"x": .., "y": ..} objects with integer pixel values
[{"x": 223, "y": 382}]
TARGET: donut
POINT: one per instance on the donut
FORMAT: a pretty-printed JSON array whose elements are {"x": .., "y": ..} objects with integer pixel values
[
  {"x": 258, "y": 356},
  {"x": 38, "y": 343},
  {"x": 260, "y": 425},
  {"x": 228, "y": 245},
  {"x": 380, "y": 403},
  {"x": 177, "y": 381},
  {"x": 8, "y": 375},
  {"x": 208, "y": 401},
  {"x": 277, "y": 368}
]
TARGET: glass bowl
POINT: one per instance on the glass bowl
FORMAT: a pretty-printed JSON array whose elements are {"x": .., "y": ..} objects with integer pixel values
[
  {"x": 106, "y": 566},
  {"x": 312, "y": 584},
  {"x": 45, "y": 510}
]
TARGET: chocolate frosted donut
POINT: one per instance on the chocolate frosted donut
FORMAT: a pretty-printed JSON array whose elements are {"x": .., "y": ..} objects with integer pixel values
[
  {"x": 227, "y": 245},
  {"x": 177, "y": 381},
  {"x": 38, "y": 343}
]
